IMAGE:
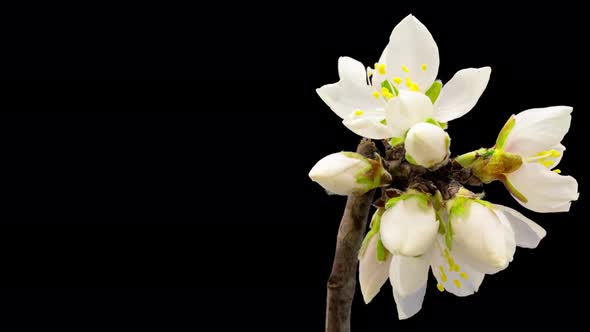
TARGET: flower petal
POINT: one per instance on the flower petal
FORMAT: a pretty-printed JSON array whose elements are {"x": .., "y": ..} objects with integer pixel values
[
  {"x": 352, "y": 71},
  {"x": 369, "y": 126},
  {"x": 461, "y": 93},
  {"x": 351, "y": 93},
  {"x": 545, "y": 190},
  {"x": 408, "y": 274},
  {"x": 408, "y": 228},
  {"x": 372, "y": 273},
  {"x": 527, "y": 233},
  {"x": 455, "y": 275},
  {"x": 406, "y": 110},
  {"x": 409, "y": 305},
  {"x": 412, "y": 48},
  {"x": 483, "y": 239},
  {"x": 538, "y": 129}
]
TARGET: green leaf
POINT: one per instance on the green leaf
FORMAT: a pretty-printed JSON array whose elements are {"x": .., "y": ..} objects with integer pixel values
[
  {"x": 434, "y": 91},
  {"x": 501, "y": 140}
]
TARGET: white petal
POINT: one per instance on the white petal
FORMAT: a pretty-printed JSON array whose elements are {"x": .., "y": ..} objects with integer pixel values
[
  {"x": 545, "y": 190},
  {"x": 338, "y": 173},
  {"x": 527, "y": 233},
  {"x": 408, "y": 276},
  {"x": 559, "y": 148},
  {"x": 411, "y": 45},
  {"x": 409, "y": 305},
  {"x": 427, "y": 144},
  {"x": 369, "y": 126},
  {"x": 538, "y": 129},
  {"x": 352, "y": 71},
  {"x": 351, "y": 93},
  {"x": 483, "y": 239},
  {"x": 372, "y": 273},
  {"x": 408, "y": 228},
  {"x": 444, "y": 266},
  {"x": 461, "y": 93},
  {"x": 406, "y": 110}
]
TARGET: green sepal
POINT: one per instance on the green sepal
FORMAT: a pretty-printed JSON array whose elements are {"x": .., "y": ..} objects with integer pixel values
[
  {"x": 436, "y": 123},
  {"x": 411, "y": 160},
  {"x": 423, "y": 199},
  {"x": 459, "y": 207},
  {"x": 449, "y": 234},
  {"x": 503, "y": 135},
  {"x": 434, "y": 91},
  {"x": 375, "y": 225},
  {"x": 512, "y": 189},
  {"x": 394, "y": 141},
  {"x": 382, "y": 253}
]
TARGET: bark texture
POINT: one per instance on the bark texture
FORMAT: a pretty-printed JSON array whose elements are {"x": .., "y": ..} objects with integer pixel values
[{"x": 342, "y": 281}]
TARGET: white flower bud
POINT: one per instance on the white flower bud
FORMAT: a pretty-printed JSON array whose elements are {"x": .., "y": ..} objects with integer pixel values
[
  {"x": 427, "y": 145},
  {"x": 409, "y": 227},
  {"x": 347, "y": 173},
  {"x": 481, "y": 236}
]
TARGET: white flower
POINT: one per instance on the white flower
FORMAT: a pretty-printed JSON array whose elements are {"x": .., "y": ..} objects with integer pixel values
[
  {"x": 457, "y": 270},
  {"x": 481, "y": 236},
  {"x": 409, "y": 226},
  {"x": 427, "y": 145},
  {"x": 535, "y": 135},
  {"x": 406, "y": 71},
  {"x": 347, "y": 173}
]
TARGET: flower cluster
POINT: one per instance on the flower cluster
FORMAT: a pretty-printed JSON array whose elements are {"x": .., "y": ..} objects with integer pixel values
[{"x": 422, "y": 225}]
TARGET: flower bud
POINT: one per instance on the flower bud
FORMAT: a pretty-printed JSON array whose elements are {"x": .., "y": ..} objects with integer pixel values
[
  {"x": 481, "y": 236},
  {"x": 409, "y": 225},
  {"x": 347, "y": 173},
  {"x": 427, "y": 145}
]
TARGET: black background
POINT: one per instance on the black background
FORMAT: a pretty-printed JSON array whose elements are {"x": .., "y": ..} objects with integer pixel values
[{"x": 174, "y": 205}]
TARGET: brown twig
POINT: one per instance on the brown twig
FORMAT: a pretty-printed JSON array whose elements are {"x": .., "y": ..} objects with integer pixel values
[{"x": 342, "y": 281}]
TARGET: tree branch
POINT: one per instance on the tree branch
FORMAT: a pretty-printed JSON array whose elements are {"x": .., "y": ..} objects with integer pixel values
[{"x": 342, "y": 281}]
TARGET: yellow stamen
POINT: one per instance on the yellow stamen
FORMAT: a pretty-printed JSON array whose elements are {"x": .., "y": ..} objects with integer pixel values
[
  {"x": 397, "y": 80},
  {"x": 380, "y": 68},
  {"x": 464, "y": 275},
  {"x": 423, "y": 67},
  {"x": 376, "y": 94},
  {"x": 442, "y": 269},
  {"x": 414, "y": 87},
  {"x": 547, "y": 163},
  {"x": 440, "y": 287},
  {"x": 557, "y": 170},
  {"x": 456, "y": 268},
  {"x": 358, "y": 112},
  {"x": 408, "y": 82},
  {"x": 404, "y": 68},
  {"x": 457, "y": 283},
  {"x": 555, "y": 153},
  {"x": 386, "y": 94}
]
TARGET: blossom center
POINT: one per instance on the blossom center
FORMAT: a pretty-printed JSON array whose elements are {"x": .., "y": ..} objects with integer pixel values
[{"x": 545, "y": 158}]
